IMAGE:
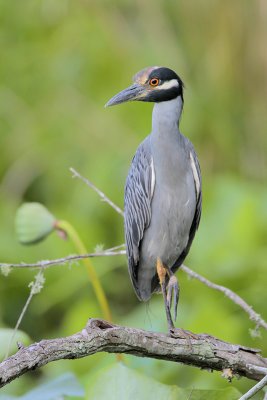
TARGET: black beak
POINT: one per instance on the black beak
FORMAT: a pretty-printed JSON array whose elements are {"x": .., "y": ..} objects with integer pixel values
[{"x": 133, "y": 92}]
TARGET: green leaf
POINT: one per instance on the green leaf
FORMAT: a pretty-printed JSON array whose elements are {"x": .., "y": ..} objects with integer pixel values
[
  {"x": 33, "y": 223},
  {"x": 119, "y": 382},
  {"x": 230, "y": 393},
  {"x": 127, "y": 384},
  {"x": 6, "y": 334},
  {"x": 56, "y": 389}
]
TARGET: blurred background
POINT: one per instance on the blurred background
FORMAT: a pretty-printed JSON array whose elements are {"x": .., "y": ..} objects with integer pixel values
[{"x": 60, "y": 63}]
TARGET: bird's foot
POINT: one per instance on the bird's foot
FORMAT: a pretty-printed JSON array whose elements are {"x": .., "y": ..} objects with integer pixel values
[
  {"x": 179, "y": 333},
  {"x": 173, "y": 293}
]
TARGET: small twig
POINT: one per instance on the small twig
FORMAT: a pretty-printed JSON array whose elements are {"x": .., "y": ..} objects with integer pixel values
[
  {"x": 26, "y": 305},
  {"x": 256, "y": 368},
  {"x": 206, "y": 351},
  {"x": 64, "y": 260},
  {"x": 255, "y": 389},
  {"x": 230, "y": 294},
  {"x": 120, "y": 246},
  {"x": 35, "y": 286},
  {"x": 99, "y": 192}
]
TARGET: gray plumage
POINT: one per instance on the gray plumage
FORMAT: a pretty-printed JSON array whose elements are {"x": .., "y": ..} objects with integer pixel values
[
  {"x": 160, "y": 222},
  {"x": 163, "y": 189}
]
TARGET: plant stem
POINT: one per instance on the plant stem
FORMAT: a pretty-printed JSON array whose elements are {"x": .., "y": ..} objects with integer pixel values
[{"x": 71, "y": 232}]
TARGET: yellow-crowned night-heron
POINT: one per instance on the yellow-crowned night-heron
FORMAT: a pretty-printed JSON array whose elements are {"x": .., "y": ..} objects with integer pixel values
[{"x": 163, "y": 190}]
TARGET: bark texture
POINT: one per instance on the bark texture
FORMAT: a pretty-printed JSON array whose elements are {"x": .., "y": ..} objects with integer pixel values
[{"x": 203, "y": 351}]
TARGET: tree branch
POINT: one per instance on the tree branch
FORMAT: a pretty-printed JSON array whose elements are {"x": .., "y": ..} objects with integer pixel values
[
  {"x": 230, "y": 294},
  {"x": 64, "y": 260},
  {"x": 205, "y": 351},
  {"x": 102, "y": 195},
  {"x": 255, "y": 389}
]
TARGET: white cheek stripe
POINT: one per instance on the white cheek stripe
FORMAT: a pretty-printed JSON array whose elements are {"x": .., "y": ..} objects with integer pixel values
[
  {"x": 195, "y": 174},
  {"x": 168, "y": 85}
]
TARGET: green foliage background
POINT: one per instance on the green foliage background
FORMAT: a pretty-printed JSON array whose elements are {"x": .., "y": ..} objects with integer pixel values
[{"x": 60, "y": 62}]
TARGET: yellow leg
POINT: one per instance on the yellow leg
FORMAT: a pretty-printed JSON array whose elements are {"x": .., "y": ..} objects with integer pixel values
[{"x": 162, "y": 271}]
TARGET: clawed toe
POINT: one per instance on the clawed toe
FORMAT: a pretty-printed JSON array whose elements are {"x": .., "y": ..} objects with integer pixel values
[{"x": 179, "y": 333}]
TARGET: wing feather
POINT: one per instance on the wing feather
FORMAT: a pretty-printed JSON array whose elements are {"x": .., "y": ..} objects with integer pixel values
[
  {"x": 137, "y": 204},
  {"x": 198, "y": 188}
]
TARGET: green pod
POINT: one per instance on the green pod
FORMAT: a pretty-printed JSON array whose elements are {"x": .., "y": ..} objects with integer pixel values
[{"x": 33, "y": 222}]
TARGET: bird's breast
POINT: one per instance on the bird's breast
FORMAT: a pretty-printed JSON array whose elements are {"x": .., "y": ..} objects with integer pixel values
[{"x": 173, "y": 208}]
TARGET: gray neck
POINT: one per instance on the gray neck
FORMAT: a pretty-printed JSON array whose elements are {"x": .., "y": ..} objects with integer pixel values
[{"x": 166, "y": 116}]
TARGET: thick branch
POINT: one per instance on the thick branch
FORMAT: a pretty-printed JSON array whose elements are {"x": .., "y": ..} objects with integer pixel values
[{"x": 205, "y": 351}]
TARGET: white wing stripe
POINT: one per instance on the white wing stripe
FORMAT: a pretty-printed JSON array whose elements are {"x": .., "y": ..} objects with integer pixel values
[
  {"x": 195, "y": 174},
  {"x": 153, "y": 177}
]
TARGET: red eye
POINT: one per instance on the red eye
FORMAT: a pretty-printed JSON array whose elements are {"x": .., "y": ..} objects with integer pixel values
[{"x": 154, "y": 82}]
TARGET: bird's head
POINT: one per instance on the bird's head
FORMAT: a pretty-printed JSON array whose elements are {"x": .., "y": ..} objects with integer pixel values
[{"x": 153, "y": 84}]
